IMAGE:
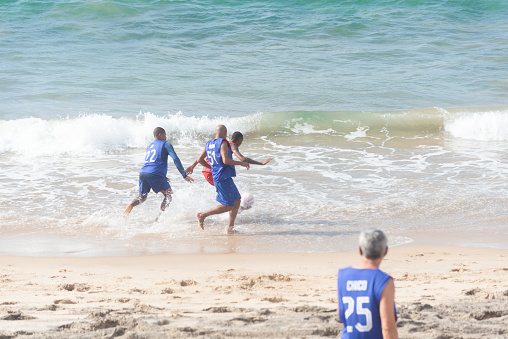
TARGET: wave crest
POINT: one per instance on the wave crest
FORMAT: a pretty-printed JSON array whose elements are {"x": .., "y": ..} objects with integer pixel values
[
  {"x": 97, "y": 134},
  {"x": 484, "y": 126}
]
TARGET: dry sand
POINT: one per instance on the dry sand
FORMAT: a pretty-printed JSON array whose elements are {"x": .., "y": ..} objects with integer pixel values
[{"x": 441, "y": 292}]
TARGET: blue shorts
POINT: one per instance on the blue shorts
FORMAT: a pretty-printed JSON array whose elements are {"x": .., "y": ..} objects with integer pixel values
[
  {"x": 152, "y": 182},
  {"x": 227, "y": 192}
]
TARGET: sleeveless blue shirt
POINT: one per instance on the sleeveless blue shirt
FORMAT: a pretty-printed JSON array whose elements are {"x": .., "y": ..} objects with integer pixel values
[
  {"x": 359, "y": 292},
  {"x": 156, "y": 160},
  {"x": 220, "y": 171}
]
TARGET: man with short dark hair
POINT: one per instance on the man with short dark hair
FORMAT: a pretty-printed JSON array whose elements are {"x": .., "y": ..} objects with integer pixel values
[
  {"x": 237, "y": 140},
  {"x": 219, "y": 154},
  {"x": 152, "y": 175},
  {"x": 366, "y": 294}
]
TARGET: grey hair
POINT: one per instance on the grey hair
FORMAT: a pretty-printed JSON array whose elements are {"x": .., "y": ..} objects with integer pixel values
[{"x": 373, "y": 243}]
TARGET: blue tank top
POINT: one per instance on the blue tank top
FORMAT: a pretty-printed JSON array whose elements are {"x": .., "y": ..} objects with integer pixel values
[
  {"x": 359, "y": 292},
  {"x": 156, "y": 160},
  {"x": 220, "y": 171}
]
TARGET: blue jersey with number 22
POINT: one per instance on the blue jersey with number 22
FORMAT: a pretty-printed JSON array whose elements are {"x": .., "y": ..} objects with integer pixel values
[
  {"x": 359, "y": 292},
  {"x": 156, "y": 161}
]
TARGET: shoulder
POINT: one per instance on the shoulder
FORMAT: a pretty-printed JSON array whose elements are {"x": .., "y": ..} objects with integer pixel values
[
  {"x": 345, "y": 271},
  {"x": 388, "y": 289},
  {"x": 383, "y": 280},
  {"x": 168, "y": 147},
  {"x": 384, "y": 275},
  {"x": 158, "y": 142}
]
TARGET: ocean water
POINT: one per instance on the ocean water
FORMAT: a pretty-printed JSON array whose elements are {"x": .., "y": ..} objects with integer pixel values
[{"x": 392, "y": 114}]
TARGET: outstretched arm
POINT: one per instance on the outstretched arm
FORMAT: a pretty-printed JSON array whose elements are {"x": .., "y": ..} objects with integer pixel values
[
  {"x": 190, "y": 169},
  {"x": 176, "y": 160},
  {"x": 201, "y": 160},
  {"x": 225, "y": 156},
  {"x": 240, "y": 156}
]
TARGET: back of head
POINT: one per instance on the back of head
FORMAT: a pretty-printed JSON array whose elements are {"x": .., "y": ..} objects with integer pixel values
[
  {"x": 373, "y": 243},
  {"x": 157, "y": 131},
  {"x": 221, "y": 131},
  {"x": 236, "y": 136}
]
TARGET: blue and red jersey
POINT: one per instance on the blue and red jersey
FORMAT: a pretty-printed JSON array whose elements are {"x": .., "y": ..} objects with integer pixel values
[{"x": 220, "y": 171}]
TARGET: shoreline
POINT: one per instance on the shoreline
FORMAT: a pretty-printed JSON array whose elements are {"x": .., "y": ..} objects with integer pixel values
[
  {"x": 441, "y": 291},
  {"x": 42, "y": 245}
]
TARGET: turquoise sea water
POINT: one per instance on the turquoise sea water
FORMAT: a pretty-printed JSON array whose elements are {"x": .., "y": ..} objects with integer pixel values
[
  {"x": 388, "y": 113},
  {"x": 63, "y": 58}
]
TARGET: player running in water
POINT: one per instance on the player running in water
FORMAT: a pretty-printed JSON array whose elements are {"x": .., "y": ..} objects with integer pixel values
[
  {"x": 235, "y": 142},
  {"x": 152, "y": 175},
  {"x": 219, "y": 154}
]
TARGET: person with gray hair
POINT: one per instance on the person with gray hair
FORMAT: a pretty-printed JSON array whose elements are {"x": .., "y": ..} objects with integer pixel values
[
  {"x": 366, "y": 295},
  {"x": 373, "y": 244}
]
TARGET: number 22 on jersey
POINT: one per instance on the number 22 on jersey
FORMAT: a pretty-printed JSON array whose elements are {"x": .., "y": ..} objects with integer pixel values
[{"x": 151, "y": 155}]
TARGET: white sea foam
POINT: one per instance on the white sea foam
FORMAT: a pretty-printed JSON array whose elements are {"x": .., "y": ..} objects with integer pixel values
[
  {"x": 320, "y": 189},
  {"x": 361, "y": 132},
  {"x": 483, "y": 126},
  {"x": 298, "y": 126},
  {"x": 97, "y": 134}
]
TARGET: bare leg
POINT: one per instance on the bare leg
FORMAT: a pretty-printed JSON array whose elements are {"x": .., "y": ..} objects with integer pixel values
[
  {"x": 167, "y": 199},
  {"x": 232, "y": 216},
  {"x": 216, "y": 210},
  {"x": 165, "y": 203},
  {"x": 139, "y": 200}
]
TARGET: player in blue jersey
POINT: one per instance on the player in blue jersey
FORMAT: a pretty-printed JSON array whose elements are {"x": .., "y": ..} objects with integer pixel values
[
  {"x": 236, "y": 142},
  {"x": 152, "y": 175},
  {"x": 366, "y": 294},
  {"x": 219, "y": 154}
]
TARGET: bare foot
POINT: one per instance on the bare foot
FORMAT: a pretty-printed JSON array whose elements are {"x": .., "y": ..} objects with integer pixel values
[
  {"x": 201, "y": 219},
  {"x": 128, "y": 210},
  {"x": 232, "y": 231}
]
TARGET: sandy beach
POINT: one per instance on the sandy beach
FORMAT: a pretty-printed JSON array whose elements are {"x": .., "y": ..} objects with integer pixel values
[{"x": 441, "y": 292}]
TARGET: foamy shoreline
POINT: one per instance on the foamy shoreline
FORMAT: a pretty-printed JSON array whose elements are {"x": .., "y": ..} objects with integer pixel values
[{"x": 441, "y": 291}]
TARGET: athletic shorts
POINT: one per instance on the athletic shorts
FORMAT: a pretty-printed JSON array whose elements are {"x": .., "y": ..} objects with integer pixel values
[
  {"x": 208, "y": 176},
  {"x": 227, "y": 192},
  {"x": 156, "y": 184}
]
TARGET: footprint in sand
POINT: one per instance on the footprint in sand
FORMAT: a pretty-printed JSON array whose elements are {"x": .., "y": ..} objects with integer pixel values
[
  {"x": 274, "y": 299},
  {"x": 219, "y": 309},
  {"x": 65, "y": 301},
  {"x": 488, "y": 314},
  {"x": 48, "y": 308},
  {"x": 78, "y": 287},
  {"x": 123, "y": 300},
  {"x": 18, "y": 316}
]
